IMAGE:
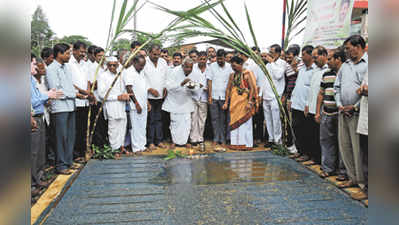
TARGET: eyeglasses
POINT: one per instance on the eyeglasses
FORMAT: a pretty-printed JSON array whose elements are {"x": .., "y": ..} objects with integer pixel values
[{"x": 112, "y": 65}]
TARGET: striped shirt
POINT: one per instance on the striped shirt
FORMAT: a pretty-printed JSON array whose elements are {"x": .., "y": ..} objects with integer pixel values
[
  {"x": 327, "y": 85},
  {"x": 290, "y": 78}
]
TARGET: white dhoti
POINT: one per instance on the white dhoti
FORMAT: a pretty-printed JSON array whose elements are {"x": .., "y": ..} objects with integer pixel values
[
  {"x": 198, "y": 118},
  {"x": 138, "y": 131},
  {"x": 116, "y": 132},
  {"x": 273, "y": 122},
  {"x": 180, "y": 125},
  {"x": 242, "y": 135}
]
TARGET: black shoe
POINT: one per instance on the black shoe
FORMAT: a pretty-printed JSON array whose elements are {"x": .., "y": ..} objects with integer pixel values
[{"x": 194, "y": 144}]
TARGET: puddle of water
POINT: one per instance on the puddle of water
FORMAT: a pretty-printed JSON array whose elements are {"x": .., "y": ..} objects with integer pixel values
[{"x": 213, "y": 170}]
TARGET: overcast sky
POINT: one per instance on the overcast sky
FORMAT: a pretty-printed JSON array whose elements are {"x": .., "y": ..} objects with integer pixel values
[{"x": 91, "y": 18}]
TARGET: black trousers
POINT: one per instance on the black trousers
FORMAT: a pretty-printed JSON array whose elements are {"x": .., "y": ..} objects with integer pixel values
[
  {"x": 154, "y": 122},
  {"x": 257, "y": 122},
  {"x": 299, "y": 123},
  {"x": 165, "y": 125},
  {"x": 364, "y": 146},
  {"x": 313, "y": 131},
  {"x": 81, "y": 129},
  {"x": 37, "y": 150},
  {"x": 100, "y": 136}
]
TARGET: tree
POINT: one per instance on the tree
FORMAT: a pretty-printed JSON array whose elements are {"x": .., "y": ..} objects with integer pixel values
[
  {"x": 41, "y": 33},
  {"x": 143, "y": 38},
  {"x": 73, "y": 38},
  {"x": 121, "y": 43}
]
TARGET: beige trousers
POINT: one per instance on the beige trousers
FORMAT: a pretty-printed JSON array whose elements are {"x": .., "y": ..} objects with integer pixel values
[
  {"x": 349, "y": 147},
  {"x": 198, "y": 118}
]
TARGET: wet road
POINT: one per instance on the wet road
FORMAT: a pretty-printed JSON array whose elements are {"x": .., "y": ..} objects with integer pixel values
[{"x": 225, "y": 188}]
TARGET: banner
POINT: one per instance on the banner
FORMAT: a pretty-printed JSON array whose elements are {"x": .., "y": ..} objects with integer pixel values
[{"x": 328, "y": 22}]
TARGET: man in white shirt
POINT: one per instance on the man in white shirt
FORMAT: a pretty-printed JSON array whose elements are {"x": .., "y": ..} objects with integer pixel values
[
  {"x": 81, "y": 83},
  {"x": 155, "y": 71},
  {"x": 319, "y": 56},
  {"x": 218, "y": 78},
  {"x": 179, "y": 102},
  {"x": 211, "y": 52},
  {"x": 298, "y": 102},
  {"x": 100, "y": 137},
  {"x": 276, "y": 68},
  {"x": 115, "y": 104},
  {"x": 137, "y": 87},
  {"x": 198, "y": 117}
]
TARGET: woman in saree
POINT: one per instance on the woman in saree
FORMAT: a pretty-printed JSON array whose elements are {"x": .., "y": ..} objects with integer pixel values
[{"x": 240, "y": 99}]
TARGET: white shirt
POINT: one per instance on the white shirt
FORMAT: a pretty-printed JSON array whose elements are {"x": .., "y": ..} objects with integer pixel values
[
  {"x": 139, "y": 86},
  {"x": 276, "y": 71},
  {"x": 315, "y": 88},
  {"x": 156, "y": 76},
  {"x": 200, "y": 77},
  {"x": 79, "y": 78},
  {"x": 179, "y": 99},
  {"x": 301, "y": 91},
  {"x": 113, "y": 108},
  {"x": 91, "y": 68},
  {"x": 258, "y": 73},
  {"x": 220, "y": 78}
]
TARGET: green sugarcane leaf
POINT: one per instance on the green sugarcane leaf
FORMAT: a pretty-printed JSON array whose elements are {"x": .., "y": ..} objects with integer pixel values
[{"x": 250, "y": 25}]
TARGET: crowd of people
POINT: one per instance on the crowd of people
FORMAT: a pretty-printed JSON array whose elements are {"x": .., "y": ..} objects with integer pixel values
[{"x": 155, "y": 98}]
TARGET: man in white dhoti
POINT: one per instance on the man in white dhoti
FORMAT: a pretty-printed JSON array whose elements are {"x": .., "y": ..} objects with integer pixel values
[
  {"x": 179, "y": 102},
  {"x": 200, "y": 97},
  {"x": 137, "y": 87},
  {"x": 276, "y": 68},
  {"x": 115, "y": 104}
]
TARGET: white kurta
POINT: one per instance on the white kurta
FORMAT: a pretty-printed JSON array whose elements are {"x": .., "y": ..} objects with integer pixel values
[
  {"x": 114, "y": 110},
  {"x": 91, "y": 69},
  {"x": 243, "y": 135},
  {"x": 180, "y": 104},
  {"x": 363, "y": 124},
  {"x": 138, "y": 121},
  {"x": 79, "y": 78},
  {"x": 156, "y": 76}
]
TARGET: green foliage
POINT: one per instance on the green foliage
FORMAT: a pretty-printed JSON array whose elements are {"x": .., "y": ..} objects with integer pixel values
[
  {"x": 280, "y": 150},
  {"x": 295, "y": 16},
  {"x": 174, "y": 154},
  {"x": 104, "y": 153},
  {"x": 121, "y": 43},
  {"x": 73, "y": 38},
  {"x": 142, "y": 38},
  {"x": 41, "y": 33}
]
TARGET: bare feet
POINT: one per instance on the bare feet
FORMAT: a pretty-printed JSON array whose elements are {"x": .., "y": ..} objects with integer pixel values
[
  {"x": 172, "y": 146},
  {"x": 214, "y": 144},
  {"x": 161, "y": 145},
  {"x": 152, "y": 147},
  {"x": 188, "y": 145}
]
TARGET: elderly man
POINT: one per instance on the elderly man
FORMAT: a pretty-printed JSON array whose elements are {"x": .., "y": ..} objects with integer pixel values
[
  {"x": 115, "y": 104},
  {"x": 218, "y": 78},
  {"x": 155, "y": 71},
  {"x": 179, "y": 102},
  {"x": 349, "y": 80},
  {"x": 137, "y": 87}
]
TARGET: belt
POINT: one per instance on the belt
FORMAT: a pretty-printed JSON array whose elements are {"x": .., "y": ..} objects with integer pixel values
[{"x": 38, "y": 115}]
